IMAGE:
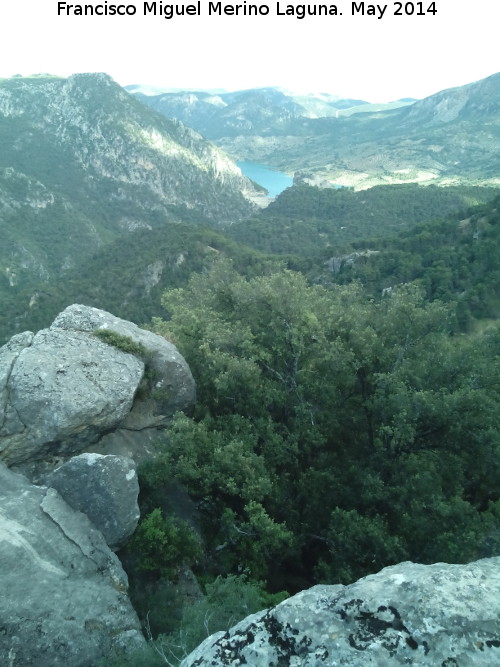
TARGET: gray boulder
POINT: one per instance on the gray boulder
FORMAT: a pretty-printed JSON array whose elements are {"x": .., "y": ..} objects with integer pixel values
[
  {"x": 172, "y": 384},
  {"x": 63, "y": 599},
  {"x": 62, "y": 389},
  {"x": 422, "y": 615},
  {"x": 9, "y": 420},
  {"x": 105, "y": 488}
]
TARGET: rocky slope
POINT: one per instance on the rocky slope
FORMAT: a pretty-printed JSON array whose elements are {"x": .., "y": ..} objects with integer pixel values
[
  {"x": 82, "y": 163},
  {"x": 407, "y": 614}
]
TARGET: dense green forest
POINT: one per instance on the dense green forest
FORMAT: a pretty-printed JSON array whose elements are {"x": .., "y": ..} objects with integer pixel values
[
  {"x": 128, "y": 276},
  {"x": 312, "y": 222},
  {"x": 140, "y": 265},
  {"x": 348, "y": 391},
  {"x": 339, "y": 427}
]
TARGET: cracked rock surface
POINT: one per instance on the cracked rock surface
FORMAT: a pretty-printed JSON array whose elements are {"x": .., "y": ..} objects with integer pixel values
[
  {"x": 105, "y": 488},
  {"x": 408, "y": 614},
  {"x": 63, "y": 595},
  {"x": 63, "y": 388}
]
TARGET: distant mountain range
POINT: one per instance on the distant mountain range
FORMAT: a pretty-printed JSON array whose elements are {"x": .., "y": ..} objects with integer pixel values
[
  {"x": 448, "y": 138},
  {"x": 262, "y": 111},
  {"x": 94, "y": 183}
]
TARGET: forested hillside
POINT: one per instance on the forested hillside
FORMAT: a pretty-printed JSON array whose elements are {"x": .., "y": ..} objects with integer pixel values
[
  {"x": 455, "y": 260},
  {"x": 330, "y": 235},
  {"x": 334, "y": 434},
  {"x": 442, "y": 239},
  {"x": 138, "y": 266},
  {"x": 83, "y": 164},
  {"x": 345, "y": 347},
  {"x": 313, "y": 222}
]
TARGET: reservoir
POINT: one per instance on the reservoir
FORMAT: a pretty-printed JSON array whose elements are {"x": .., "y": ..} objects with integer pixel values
[{"x": 274, "y": 181}]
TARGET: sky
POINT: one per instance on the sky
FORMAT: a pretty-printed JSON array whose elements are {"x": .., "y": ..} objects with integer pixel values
[{"x": 351, "y": 55}]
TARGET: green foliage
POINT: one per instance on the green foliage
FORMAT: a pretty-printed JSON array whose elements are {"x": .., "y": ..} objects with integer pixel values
[
  {"x": 455, "y": 260},
  {"x": 335, "y": 433},
  {"x": 227, "y": 601},
  {"x": 157, "y": 601},
  {"x": 176, "y": 249},
  {"x": 163, "y": 544},
  {"x": 147, "y": 656},
  {"x": 218, "y": 463},
  {"x": 356, "y": 545},
  {"x": 316, "y": 223},
  {"x": 121, "y": 342}
]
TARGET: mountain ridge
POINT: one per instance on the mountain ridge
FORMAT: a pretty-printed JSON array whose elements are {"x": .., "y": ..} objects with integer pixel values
[
  {"x": 253, "y": 110},
  {"x": 82, "y": 163},
  {"x": 450, "y": 137}
]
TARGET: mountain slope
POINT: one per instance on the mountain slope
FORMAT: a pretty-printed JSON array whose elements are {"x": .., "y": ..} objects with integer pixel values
[
  {"x": 450, "y": 137},
  {"x": 82, "y": 163},
  {"x": 317, "y": 231},
  {"x": 128, "y": 276},
  {"x": 316, "y": 223},
  {"x": 257, "y": 111}
]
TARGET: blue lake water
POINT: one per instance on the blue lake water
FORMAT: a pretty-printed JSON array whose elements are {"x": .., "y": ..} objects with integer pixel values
[{"x": 274, "y": 181}]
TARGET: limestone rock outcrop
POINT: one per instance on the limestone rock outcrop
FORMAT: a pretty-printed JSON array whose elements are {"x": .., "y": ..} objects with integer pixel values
[
  {"x": 105, "y": 488},
  {"x": 422, "y": 615},
  {"x": 173, "y": 386},
  {"x": 63, "y": 599},
  {"x": 64, "y": 388}
]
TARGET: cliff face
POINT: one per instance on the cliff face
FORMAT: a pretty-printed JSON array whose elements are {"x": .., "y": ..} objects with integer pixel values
[{"x": 82, "y": 162}]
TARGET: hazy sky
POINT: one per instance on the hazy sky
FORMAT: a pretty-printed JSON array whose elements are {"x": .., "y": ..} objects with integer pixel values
[{"x": 377, "y": 59}]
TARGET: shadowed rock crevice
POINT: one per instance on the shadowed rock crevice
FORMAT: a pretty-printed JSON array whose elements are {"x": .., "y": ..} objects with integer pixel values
[{"x": 9, "y": 418}]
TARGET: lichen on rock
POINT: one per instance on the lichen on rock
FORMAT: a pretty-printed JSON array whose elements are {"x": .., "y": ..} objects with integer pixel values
[{"x": 407, "y": 614}]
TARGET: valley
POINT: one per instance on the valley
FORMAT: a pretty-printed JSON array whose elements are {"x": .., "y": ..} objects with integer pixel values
[
  {"x": 449, "y": 138},
  {"x": 272, "y": 181},
  {"x": 298, "y": 352}
]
